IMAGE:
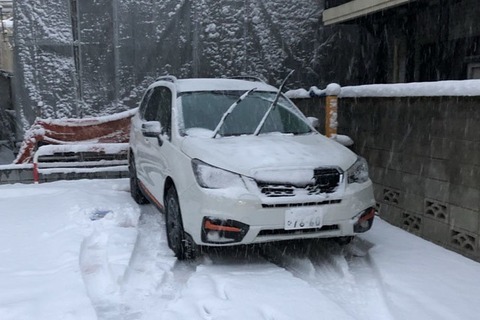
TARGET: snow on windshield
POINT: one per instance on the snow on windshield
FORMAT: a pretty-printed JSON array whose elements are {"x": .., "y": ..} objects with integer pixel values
[{"x": 205, "y": 109}]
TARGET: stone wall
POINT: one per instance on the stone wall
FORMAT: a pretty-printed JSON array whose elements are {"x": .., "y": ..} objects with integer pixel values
[{"x": 424, "y": 157}]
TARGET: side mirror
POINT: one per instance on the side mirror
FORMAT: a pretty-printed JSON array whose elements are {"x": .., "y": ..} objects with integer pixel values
[
  {"x": 151, "y": 129},
  {"x": 313, "y": 121}
]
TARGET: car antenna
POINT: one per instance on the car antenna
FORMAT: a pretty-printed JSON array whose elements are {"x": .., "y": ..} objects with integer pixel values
[
  {"x": 272, "y": 106},
  {"x": 229, "y": 110}
]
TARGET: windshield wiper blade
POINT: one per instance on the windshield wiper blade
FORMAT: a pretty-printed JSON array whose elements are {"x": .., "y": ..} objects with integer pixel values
[
  {"x": 230, "y": 110},
  {"x": 272, "y": 106}
]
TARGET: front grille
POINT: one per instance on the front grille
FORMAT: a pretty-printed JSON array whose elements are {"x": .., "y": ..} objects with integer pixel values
[
  {"x": 324, "y": 180},
  {"x": 277, "y": 190},
  {"x": 280, "y": 232}
]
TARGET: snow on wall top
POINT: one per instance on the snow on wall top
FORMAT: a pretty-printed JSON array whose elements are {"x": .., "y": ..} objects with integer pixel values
[{"x": 414, "y": 89}]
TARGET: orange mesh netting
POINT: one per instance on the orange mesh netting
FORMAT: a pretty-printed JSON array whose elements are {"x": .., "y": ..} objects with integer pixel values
[{"x": 107, "y": 129}]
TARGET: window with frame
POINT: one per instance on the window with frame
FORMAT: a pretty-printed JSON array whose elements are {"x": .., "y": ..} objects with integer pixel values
[
  {"x": 143, "y": 103},
  {"x": 159, "y": 108}
]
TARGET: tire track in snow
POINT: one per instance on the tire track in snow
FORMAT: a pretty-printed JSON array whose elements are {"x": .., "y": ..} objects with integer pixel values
[
  {"x": 152, "y": 278},
  {"x": 239, "y": 283},
  {"x": 98, "y": 277},
  {"x": 345, "y": 274}
]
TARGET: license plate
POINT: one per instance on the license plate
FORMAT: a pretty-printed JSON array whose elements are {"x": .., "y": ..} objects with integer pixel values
[{"x": 303, "y": 218}]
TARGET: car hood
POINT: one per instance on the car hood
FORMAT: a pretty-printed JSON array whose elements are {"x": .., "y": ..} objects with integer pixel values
[{"x": 268, "y": 156}]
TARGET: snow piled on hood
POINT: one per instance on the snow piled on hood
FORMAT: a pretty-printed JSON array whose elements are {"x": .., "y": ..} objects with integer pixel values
[{"x": 249, "y": 155}]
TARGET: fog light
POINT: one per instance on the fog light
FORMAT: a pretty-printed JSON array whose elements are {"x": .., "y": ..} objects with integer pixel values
[
  {"x": 220, "y": 231},
  {"x": 365, "y": 221}
]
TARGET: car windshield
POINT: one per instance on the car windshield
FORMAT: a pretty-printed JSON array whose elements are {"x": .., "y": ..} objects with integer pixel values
[{"x": 203, "y": 110}]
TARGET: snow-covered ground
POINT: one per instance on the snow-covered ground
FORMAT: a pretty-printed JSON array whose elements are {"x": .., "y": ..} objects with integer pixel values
[{"x": 85, "y": 250}]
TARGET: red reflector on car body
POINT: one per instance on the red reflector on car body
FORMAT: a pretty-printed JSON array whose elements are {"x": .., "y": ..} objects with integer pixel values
[{"x": 368, "y": 215}]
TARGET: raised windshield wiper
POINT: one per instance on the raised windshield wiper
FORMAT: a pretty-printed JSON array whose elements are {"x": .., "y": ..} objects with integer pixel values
[
  {"x": 229, "y": 110},
  {"x": 272, "y": 106}
]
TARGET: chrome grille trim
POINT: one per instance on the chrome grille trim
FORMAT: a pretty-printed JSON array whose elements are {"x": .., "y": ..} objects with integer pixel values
[
  {"x": 306, "y": 204},
  {"x": 324, "y": 180}
]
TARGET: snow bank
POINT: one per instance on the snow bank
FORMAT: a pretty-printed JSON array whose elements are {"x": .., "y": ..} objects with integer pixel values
[
  {"x": 44, "y": 229},
  {"x": 414, "y": 89},
  {"x": 423, "y": 280}
]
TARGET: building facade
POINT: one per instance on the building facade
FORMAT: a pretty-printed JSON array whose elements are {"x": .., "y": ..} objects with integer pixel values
[{"x": 415, "y": 40}]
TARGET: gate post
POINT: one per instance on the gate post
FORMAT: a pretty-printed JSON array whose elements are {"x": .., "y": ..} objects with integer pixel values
[{"x": 331, "y": 110}]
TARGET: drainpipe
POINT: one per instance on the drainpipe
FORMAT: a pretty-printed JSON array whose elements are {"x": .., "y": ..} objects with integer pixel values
[{"x": 77, "y": 57}]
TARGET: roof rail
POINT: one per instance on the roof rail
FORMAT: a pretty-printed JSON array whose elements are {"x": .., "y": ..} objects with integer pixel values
[
  {"x": 167, "y": 78},
  {"x": 248, "y": 78}
]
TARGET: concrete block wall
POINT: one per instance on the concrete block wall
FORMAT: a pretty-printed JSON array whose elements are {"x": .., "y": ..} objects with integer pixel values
[{"x": 424, "y": 158}]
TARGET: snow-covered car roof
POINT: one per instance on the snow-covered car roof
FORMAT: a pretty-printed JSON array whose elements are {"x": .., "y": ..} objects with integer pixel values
[{"x": 202, "y": 84}]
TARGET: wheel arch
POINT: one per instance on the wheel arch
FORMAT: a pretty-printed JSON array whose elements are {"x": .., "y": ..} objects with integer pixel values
[
  {"x": 131, "y": 154},
  {"x": 168, "y": 184}
]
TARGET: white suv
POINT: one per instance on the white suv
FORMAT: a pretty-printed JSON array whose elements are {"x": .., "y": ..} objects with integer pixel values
[{"x": 235, "y": 162}]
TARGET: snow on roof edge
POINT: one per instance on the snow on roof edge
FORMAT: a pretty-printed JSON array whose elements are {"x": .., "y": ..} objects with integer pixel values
[
  {"x": 208, "y": 84},
  {"x": 90, "y": 120}
]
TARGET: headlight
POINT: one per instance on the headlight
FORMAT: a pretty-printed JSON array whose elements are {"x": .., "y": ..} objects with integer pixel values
[
  {"x": 215, "y": 178},
  {"x": 358, "y": 173}
]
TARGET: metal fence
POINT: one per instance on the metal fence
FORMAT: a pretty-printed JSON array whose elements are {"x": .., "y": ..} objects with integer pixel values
[{"x": 79, "y": 58}]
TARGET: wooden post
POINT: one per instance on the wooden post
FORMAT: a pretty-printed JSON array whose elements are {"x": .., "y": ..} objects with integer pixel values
[
  {"x": 331, "y": 110},
  {"x": 331, "y": 116}
]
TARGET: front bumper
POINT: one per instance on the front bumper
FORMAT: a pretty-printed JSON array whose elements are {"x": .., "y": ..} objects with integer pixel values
[{"x": 219, "y": 217}]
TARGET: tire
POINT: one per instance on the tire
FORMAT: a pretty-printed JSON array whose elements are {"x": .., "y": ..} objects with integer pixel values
[
  {"x": 135, "y": 190},
  {"x": 180, "y": 242}
]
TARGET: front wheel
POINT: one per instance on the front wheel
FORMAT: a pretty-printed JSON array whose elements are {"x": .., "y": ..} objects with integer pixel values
[
  {"x": 180, "y": 242},
  {"x": 135, "y": 190}
]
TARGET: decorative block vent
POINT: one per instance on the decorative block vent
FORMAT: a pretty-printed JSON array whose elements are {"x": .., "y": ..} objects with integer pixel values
[
  {"x": 436, "y": 210},
  {"x": 391, "y": 196},
  {"x": 463, "y": 240},
  {"x": 411, "y": 222}
]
